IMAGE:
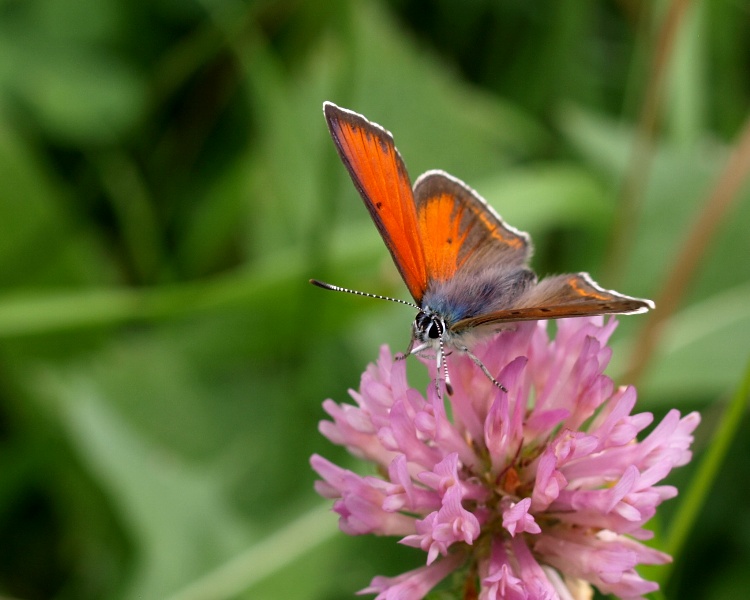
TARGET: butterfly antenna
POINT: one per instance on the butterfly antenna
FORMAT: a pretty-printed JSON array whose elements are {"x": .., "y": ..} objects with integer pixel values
[{"x": 338, "y": 288}]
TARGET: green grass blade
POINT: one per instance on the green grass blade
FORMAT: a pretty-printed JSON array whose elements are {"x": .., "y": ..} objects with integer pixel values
[{"x": 701, "y": 485}]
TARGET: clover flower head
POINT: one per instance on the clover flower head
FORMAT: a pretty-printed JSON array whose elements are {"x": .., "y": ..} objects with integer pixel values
[{"x": 538, "y": 493}]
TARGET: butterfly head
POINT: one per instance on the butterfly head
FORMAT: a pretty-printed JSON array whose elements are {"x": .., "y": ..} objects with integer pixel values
[{"x": 428, "y": 328}]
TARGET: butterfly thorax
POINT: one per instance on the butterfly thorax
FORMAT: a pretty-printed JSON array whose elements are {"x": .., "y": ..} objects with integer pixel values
[
  {"x": 447, "y": 304},
  {"x": 469, "y": 295}
]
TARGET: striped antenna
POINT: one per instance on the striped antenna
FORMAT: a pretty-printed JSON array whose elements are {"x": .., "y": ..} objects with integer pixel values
[{"x": 338, "y": 288}]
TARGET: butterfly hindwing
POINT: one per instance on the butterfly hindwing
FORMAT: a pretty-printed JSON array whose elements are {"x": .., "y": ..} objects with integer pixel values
[
  {"x": 460, "y": 231},
  {"x": 379, "y": 173},
  {"x": 560, "y": 296}
]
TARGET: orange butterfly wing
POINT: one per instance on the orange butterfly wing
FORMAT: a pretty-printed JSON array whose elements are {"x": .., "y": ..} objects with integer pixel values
[
  {"x": 380, "y": 176},
  {"x": 460, "y": 231},
  {"x": 560, "y": 296}
]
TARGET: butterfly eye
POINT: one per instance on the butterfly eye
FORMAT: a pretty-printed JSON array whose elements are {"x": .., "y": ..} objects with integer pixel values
[{"x": 428, "y": 326}]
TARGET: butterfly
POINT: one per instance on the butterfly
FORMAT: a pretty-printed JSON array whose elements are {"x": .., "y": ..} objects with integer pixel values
[{"x": 466, "y": 269}]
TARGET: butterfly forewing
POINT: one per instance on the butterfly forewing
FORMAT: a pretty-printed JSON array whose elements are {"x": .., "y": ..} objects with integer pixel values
[
  {"x": 378, "y": 172},
  {"x": 460, "y": 231},
  {"x": 572, "y": 295}
]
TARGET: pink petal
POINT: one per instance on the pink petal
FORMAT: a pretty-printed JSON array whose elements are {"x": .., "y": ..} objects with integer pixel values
[
  {"x": 413, "y": 585},
  {"x": 516, "y": 518}
]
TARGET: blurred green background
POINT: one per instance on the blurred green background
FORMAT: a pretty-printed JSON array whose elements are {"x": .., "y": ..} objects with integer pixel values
[{"x": 168, "y": 186}]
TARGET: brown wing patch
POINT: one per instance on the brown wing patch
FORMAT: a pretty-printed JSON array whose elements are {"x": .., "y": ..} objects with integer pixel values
[
  {"x": 498, "y": 230},
  {"x": 380, "y": 176},
  {"x": 578, "y": 287},
  {"x": 573, "y": 295}
]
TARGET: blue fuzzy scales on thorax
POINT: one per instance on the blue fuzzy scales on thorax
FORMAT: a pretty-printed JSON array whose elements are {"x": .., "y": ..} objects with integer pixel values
[{"x": 467, "y": 296}]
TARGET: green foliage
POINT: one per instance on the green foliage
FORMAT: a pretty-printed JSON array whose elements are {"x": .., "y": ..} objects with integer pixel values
[{"x": 167, "y": 188}]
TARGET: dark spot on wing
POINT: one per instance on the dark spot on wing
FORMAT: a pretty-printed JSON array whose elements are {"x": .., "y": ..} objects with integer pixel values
[{"x": 378, "y": 205}]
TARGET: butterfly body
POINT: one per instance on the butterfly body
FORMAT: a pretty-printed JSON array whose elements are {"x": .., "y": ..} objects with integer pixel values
[
  {"x": 450, "y": 303},
  {"x": 466, "y": 269}
]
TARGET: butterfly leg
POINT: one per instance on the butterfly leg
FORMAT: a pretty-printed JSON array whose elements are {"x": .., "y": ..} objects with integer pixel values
[
  {"x": 486, "y": 371},
  {"x": 439, "y": 360}
]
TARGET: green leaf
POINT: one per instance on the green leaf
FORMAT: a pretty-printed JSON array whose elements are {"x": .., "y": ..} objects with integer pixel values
[
  {"x": 702, "y": 484},
  {"x": 42, "y": 243},
  {"x": 719, "y": 328},
  {"x": 175, "y": 512},
  {"x": 548, "y": 195}
]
